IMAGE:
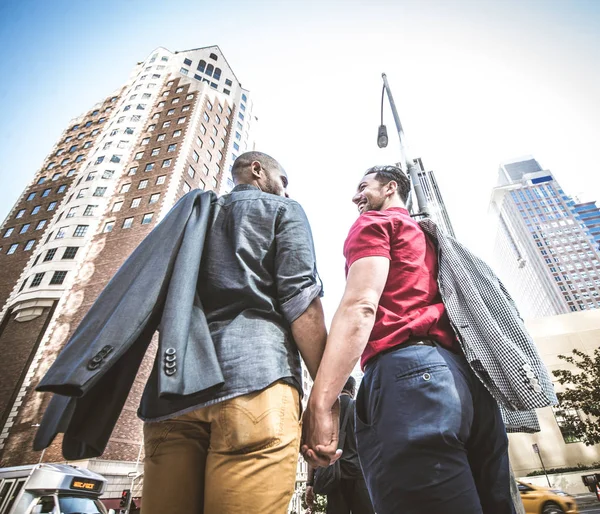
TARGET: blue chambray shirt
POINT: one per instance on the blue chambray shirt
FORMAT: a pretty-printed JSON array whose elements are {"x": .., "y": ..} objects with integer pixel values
[{"x": 258, "y": 275}]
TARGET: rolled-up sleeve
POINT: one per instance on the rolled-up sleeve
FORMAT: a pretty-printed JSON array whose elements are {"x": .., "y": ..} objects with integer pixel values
[{"x": 298, "y": 282}]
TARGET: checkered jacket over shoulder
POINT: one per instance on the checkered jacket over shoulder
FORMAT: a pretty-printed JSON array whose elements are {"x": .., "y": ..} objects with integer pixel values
[{"x": 491, "y": 333}]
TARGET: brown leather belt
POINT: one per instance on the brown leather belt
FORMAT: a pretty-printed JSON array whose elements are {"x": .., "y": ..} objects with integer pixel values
[{"x": 410, "y": 342}]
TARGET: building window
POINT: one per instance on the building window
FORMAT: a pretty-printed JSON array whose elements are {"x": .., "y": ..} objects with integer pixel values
[
  {"x": 209, "y": 70},
  {"x": 179, "y": 89},
  {"x": 71, "y": 213},
  {"x": 206, "y": 118},
  {"x": 143, "y": 184},
  {"x": 117, "y": 206},
  {"x": 228, "y": 82},
  {"x": 191, "y": 171},
  {"x": 175, "y": 100},
  {"x": 166, "y": 124},
  {"x": 195, "y": 156},
  {"x": 125, "y": 188},
  {"x": 89, "y": 210},
  {"x": 170, "y": 112},
  {"x": 205, "y": 168},
  {"x": 181, "y": 120},
  {"x": 190, "y": 96},
  {"x": 212, "y": 142},
  {"x": 135, "y": 202},
  {"x": 155, "y": 152},
  {"x": 37, "y": 279},
  {"x": 20, "y": 214},
  {"x": 70, "y": 252},
  {"x": 184, "y": 71},
  {"x": 145, "y": 141},
  {"x": 71, "y": 172},
  {"x": 202, "y": 129},
  {"x": 138, "y": 156},
  {"x": 226, "y": 91},
  {"x": 166, "y": 163},
  {"x": 12, "y": 249},
  {"x": 29, "y": 245},
  {"x": 41, "y": 224},
  {"x": 35, "y": 210},
  {"x": 208, "y": 156},
  {"x": 24, "y": 228},
  {"x": 177, "y": 133},
  {"x": 61, "y": 189},
  {"x": 154, "y": 198},
  {"x": 185, "y": 108},
  {"x": 151, "y": 128},
  {"x": 51, "y": 206},
  {"x": 41, "y": 180},
  {"x": 217, "y": 74},
  {"x": 147, "y": 218},
  {"x": 100, "y": 191},
  {"x": 115, "y": 158},
  {"x": 61, "y": 233},
  {"x": 108, "y": 226},
  {"x": 46, "y": 192},
  {"x": 161, "y": 137},
  {"x": 58, "y": 278},
  {"x": 127, "y": 222},
  {"x": 172, "y": 148},
  {"x": 50, "y": 255},
  {"x": 199, "y": 142},
  {"x": 9, "y": 231},
  {"x": 201, "y": 66},
  {"x": 108, "y": 174},
  {"x": 161, "y": 180},
  {"x": 80, "y": 231},
  {"x": 149, "y": 166},
  {"x": 30, "y": 197},
  {"x": 187, "y": 62},
  {"x": 564, "y": 419},
  {"x": 186, "y": 188}
]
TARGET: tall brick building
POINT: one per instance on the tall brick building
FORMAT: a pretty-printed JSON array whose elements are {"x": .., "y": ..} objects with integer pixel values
[{"x": 176, "y": 124}]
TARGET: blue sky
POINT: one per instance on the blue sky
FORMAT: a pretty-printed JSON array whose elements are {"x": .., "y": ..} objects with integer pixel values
[{"x": 476, "y": 82}]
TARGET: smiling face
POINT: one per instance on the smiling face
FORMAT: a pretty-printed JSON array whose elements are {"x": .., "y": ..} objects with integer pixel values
[{"x": 371, "y": 195}]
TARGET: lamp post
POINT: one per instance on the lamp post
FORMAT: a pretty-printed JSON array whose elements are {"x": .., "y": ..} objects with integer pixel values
[{"x": 410, "y": 166}]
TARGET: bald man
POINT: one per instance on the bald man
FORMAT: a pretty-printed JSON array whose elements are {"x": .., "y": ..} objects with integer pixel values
[{"x": 237, "y": 449}]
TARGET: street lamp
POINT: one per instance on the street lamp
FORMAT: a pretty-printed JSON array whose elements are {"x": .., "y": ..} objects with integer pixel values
[{"x": 409, "y": 164}]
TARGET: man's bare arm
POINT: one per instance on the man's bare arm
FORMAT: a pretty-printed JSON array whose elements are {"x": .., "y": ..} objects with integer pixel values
[
  {"x": 310, "y": 335},
  {"x": 350, "y": 331}
]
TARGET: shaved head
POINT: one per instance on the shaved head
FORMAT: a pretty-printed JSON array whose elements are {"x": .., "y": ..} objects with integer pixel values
[{"x": 260, "y": 170}]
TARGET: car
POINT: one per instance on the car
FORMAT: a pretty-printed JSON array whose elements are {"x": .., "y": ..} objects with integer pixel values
[{"x": 543, "y": 500}]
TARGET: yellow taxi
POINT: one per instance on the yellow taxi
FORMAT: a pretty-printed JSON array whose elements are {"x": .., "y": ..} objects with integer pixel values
[{"x": 542, "y": 500}]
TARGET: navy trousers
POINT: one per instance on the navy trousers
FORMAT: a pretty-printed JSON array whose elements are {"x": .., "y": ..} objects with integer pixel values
[{"x": 430, "y": 436}]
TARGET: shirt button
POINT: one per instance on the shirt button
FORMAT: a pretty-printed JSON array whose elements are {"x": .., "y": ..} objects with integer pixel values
[{"x": 426, "y": 376}]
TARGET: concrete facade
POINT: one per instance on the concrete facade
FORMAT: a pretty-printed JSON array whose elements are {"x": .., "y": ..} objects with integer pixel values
[{"x": 554, "y": 336}]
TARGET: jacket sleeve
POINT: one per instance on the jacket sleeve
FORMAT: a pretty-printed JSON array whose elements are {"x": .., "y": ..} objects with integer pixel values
[{"x": 122, "y": 310}]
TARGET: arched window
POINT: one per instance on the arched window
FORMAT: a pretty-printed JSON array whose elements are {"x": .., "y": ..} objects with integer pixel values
[
  {"x": 217, "y": 74},
  {"x": 201, "y": 65},
  {"x": 209, "y": 70},
  {"x": 213, "y": 57}
]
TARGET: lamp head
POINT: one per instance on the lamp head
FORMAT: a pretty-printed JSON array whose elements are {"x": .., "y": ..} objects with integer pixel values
[{"x": 382, "y": 137}]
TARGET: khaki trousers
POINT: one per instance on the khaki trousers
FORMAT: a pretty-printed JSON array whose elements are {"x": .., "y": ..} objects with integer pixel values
[{"x": 235, "y": 457}]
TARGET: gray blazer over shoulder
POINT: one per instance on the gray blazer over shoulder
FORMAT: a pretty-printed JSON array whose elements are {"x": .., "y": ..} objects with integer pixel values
[
  {"x": 155, "y": 287},
  {"x": 491, "y": 333}
]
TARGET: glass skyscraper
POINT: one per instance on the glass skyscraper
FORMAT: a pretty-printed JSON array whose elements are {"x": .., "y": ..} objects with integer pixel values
[{"x": 545, "y": 248}]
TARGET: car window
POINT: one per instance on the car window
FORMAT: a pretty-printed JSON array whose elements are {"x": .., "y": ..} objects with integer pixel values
[
  {"x": 523, "y": 488},
  {"x": 77, "y": 505},
  {"x": 45, "y": 505}
]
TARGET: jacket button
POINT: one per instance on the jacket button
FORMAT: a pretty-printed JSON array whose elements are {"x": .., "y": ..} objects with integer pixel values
[
  {"x": 170, "y": 365},
  {"x": 170, "y": 351},
  {"x": 106, "y": 350},
  {"x": 170, "y": 358},
  {"x": 93, "y": 365},
  {"x": 97, "y": 359},
  {"x": 170, "y": 371}
]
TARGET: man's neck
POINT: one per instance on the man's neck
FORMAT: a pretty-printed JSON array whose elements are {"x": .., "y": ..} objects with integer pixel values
[{"x": 393, "y": 203}]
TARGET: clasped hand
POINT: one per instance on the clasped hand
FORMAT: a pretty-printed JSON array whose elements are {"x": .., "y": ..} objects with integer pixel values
[{"x": 320, "y": 434}]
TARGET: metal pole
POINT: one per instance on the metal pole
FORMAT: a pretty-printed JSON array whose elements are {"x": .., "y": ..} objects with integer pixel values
[
  {"x": 536, "y": 449},
  {"x": 411, "y": 167}
]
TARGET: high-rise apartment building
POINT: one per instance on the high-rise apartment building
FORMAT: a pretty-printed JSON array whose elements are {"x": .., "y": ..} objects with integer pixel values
[
  {"x": 435, "y": 202},
  {"x": 177, "y": 123},
  {"x": 544, "y": 249}
]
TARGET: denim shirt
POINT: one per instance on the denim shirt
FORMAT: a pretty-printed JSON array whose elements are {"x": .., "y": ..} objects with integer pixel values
[{"x": 258, "y": 275}]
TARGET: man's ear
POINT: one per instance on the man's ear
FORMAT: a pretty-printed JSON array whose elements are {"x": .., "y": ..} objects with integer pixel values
[
  {"x": 391, "y": 187},
  {"x": 256, "y": 169}
]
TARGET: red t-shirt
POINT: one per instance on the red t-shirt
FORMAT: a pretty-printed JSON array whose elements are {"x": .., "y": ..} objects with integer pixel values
[{"x": 410, "y": 305}]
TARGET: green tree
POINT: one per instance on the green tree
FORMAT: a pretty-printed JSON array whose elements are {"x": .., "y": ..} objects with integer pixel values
[{"x": 580, "y": 399}]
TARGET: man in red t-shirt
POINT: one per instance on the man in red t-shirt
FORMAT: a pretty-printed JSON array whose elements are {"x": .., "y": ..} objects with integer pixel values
[{"x": 430, "y": 437}]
